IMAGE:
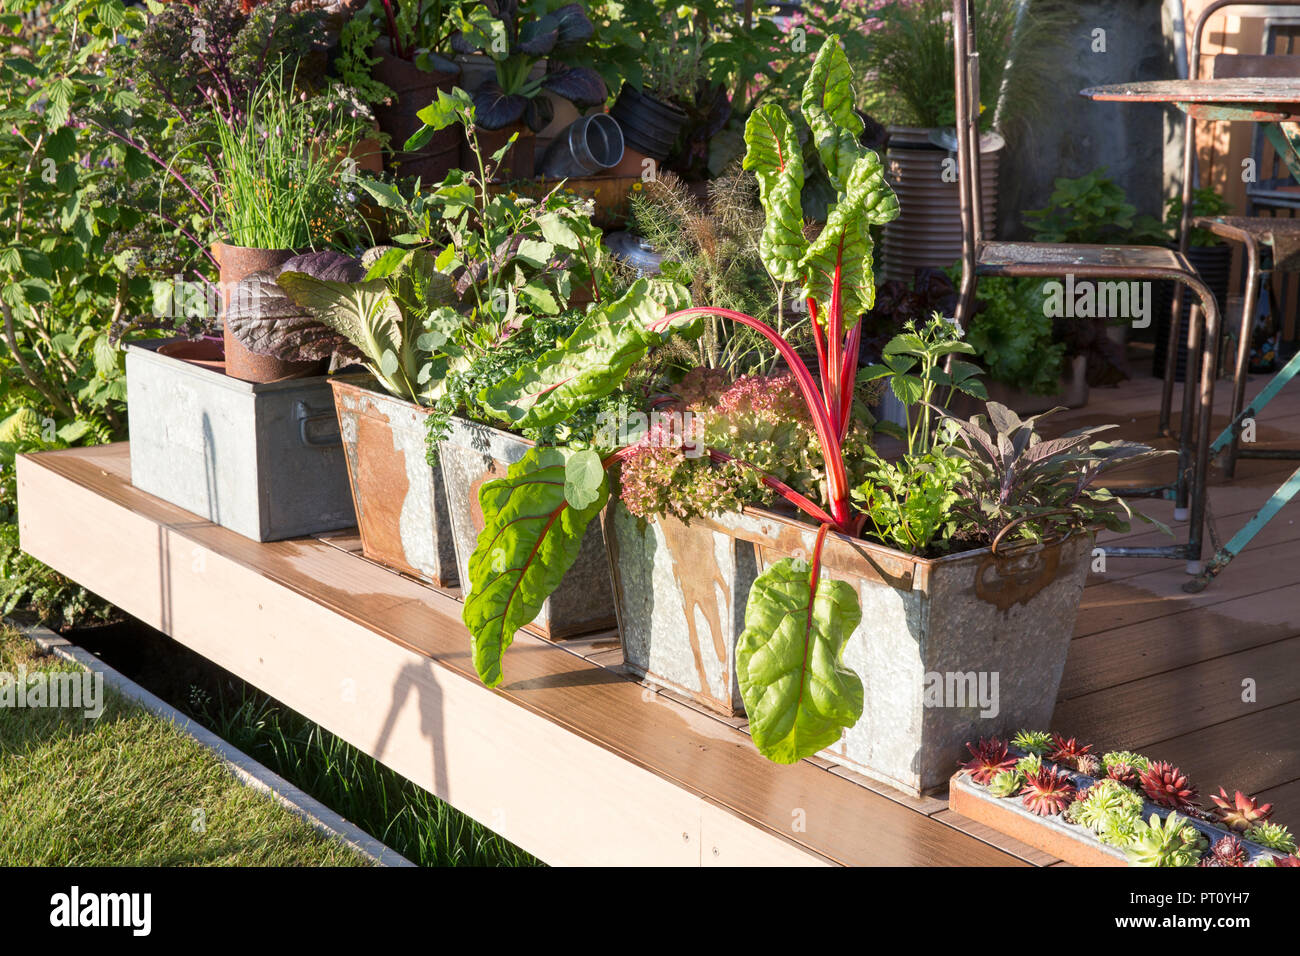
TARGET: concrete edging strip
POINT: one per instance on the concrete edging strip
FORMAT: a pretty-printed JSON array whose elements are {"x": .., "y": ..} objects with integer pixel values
[{"x": 247, "y": 770}]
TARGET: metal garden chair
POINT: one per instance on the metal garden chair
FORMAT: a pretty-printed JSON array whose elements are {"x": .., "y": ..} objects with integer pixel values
[
  {"x": 1270, "y": 242},
  {"x": 981, "y": 256}
]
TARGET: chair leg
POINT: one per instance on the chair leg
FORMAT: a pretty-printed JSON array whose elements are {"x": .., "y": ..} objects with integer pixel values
[
  {"x": 1187, "y": 426},
  {"x": 1248, "y": 305},
  {"x": 1171, "y": 362},
  {"x": 1209, "y": 369}
]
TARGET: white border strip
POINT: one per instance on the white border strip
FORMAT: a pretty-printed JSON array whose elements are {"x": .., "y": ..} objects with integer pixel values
[{"x": 247, "y": 770}]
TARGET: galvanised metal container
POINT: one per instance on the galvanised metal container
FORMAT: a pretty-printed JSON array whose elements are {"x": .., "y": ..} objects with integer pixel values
[
  {"x": 473, "y": 454},
  {"x": 260, "y": 459},
  {"x": 934, "y": 632},
  {"x": 401, "y": 504}
]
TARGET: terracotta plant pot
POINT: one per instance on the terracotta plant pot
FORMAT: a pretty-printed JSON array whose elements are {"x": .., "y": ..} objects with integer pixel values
[
  {"x": 237, "y": 262},
  {"x": 399, "y": 497},
  {"x": 473, "y": 454},
  {"x": 518, "y": 162},
  {"x": 681, "y": 592},
  {"x": 204, "y": 352},
  {"x": 413, "y": 90}
]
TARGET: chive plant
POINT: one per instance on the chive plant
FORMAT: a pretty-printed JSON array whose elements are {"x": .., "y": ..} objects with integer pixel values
[{"x": 280, "y": 171}]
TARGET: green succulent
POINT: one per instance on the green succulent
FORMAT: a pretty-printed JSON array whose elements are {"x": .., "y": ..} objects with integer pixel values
[
  {"x": 1006, "y": 783},
  {"x": 1265, "y": 860},
  {"x": 1107, "y": 798},
  {"x": 1119, "y": 827},
  {"x": 1168, "y": 842},
  {"x": 1136, "y": 761},
  {"x": 1035, "y": 741},
  {"x": 1029, "y": 765},
  {"x": 1272, "y": 835}
]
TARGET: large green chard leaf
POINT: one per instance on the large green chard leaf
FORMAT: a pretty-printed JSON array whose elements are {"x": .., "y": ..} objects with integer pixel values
[
  {"x": 797, "y": 693},
  {"x": 845, "y": 243},
  {"x": 530, "y": 539},
  {"x": 595, "y": 359},
  {"x": 773, "y": 154},
  {"x": 827, "y": 106}
]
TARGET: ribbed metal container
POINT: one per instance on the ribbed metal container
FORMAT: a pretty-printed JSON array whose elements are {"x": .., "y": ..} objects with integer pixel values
[
  {"x": 261, "y": 459},
  {"x": 927, "y": 232},
  {"x": 401, "y": 504},
  {"x": 475, "y": 453},
  {"x": 681, "y": 592}
]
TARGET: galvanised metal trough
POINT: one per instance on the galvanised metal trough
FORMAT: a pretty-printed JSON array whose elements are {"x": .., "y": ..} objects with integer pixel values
[{"x": 936, "y": 634}]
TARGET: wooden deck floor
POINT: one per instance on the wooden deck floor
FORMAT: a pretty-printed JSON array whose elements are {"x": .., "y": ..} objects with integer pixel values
[{"x": 1151, "y": 668}]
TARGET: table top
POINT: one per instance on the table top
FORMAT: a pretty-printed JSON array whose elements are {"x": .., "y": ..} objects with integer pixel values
[{"x": 1272, "y": 91}]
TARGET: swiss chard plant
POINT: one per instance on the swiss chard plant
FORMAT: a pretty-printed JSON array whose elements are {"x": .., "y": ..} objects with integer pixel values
[{"x": 797, "y": 693}]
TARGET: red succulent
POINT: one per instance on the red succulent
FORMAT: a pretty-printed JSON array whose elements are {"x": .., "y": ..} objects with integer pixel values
[
  {"x": 988, "y": 759},
  {"x": 1167, "y": 786},
  {"x": 1124, "y": 773},
  {"x": 1048, "y": 792},
  {"x": 1066, "y": 751},
  {"x": 1240, "y": 812},
  {"x": 1088, "y": 764},
  {"x": 1292, "y": 860},
  {"x": 1228, "y": 851}
]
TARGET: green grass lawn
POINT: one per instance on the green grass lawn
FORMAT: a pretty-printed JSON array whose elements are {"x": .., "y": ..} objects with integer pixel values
[{"x": 130, "y": 789}]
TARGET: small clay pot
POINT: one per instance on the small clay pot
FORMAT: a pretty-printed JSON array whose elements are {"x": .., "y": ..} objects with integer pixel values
[
  {"x": 237, "y": 262},
  {"x": 518, "y": 162},
  {"x": 206, "y": 352},
  {"x": 413, "y": 90}
]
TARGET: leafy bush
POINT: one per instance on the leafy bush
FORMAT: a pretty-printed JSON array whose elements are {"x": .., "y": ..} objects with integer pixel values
[{"x": 1013, "y": 335}]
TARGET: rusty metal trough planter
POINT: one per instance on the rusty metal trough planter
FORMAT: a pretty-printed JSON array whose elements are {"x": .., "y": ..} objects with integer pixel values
[
  {"x": 474, "y": 453},
  {"x": 400, "y": 503},
  {"x": 1071, "y": 842},
  {"x": 681, "y": 592}
]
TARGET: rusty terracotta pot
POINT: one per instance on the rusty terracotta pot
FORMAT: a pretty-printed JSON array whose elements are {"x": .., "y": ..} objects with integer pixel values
[
  {"x": 399, "y": 497},
  {"x": 237, "y": 262},
  {"x": 518, "y": 161},
  {"x": 475, "y": 453},
  {"x": 413, "y": 90},
  {"x": 681, "y": 592}
]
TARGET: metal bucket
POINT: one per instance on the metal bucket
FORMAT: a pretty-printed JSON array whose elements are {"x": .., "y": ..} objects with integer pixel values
[
  {"x": 681, "y": 592},
  {"x": 473, "y": 454},
  {"x": 263, "y": 460},
  {"x": 401, "y": 505},
  {"x": 927, "y": 232}
]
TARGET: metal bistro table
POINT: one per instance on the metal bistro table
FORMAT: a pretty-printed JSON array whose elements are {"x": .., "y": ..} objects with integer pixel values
[{"x": 1274, "y": 102}]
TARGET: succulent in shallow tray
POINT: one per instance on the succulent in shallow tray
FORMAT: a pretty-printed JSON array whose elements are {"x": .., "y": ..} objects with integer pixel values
[
  {"x": 1272, "y": 835},
  {"x": 1066, "y": 752},
  {"x": 988, "y": 758},
  {"x": 1006, "y": 783},
  {"x": 1167, "y": 786},
  {"x": 1033, "y": 741},
  {"x": 1047, "y": 792},
  {"x": 1169, "y": 842},
  {"x": 1227, "y": 851},
  {"x": 1239, "y": 812}
]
